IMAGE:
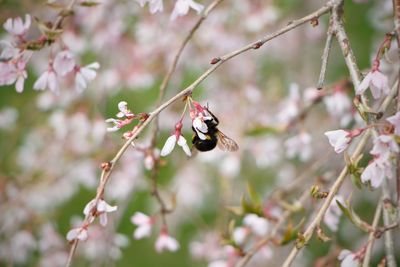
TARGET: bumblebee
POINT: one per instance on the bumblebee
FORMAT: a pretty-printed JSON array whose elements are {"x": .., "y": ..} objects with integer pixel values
[{"x": 213, "y": 136}]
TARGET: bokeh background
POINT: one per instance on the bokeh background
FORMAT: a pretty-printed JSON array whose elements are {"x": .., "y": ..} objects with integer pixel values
[{"x": 52, "y": 145}]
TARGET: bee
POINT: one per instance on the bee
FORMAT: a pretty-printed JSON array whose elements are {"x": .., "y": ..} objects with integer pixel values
[{"x": 213, "y": 136}]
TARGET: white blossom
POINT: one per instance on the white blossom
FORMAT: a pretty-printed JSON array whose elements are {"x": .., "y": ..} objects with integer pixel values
[
  {"x": 182, "y": 8},
  {"x": 166, "y": 242}
]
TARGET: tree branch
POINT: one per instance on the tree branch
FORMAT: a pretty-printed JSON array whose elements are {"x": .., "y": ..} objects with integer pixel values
[
  {"x": 217, "y": 62},
  {"x": 371, "y": 237},
  {"x": 336, "y": 186}
]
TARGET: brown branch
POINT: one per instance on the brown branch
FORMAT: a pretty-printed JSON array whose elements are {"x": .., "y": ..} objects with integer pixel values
[
  {"x": 187, "y": 91},
  {"x": 325, "y": 56},
  {"x": 371, "y": 237}
]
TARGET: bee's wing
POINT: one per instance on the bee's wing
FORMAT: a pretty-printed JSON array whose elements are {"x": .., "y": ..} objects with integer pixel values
[{"x": 226, "y": 143}]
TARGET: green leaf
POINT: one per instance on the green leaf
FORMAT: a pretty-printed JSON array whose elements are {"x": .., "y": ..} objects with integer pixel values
[{"x": 262, "y": 130}]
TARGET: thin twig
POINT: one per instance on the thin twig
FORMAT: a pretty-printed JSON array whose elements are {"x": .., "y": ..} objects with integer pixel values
[
  {"x": 371, "y": 237},
  {"x": 388, "y": 237},
  {"x": 335, "y": 187},
  {"x": 217, "y": 62},
  {"x": 325, "y": 56}
]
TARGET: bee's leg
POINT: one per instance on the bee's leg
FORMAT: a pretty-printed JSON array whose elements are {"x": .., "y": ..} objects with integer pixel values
[{"x": 212, "y": 115}]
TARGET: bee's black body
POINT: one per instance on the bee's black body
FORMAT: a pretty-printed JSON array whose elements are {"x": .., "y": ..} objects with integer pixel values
[{"x": 211, "y": 136}]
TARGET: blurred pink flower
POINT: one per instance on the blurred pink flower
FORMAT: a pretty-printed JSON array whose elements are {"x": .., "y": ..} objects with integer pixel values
[
  {"x": 299, "y": 145},
  {"x": 332, "y": 215},
  {"x": 348, "y": 259},
  {"x": 64, "y": 62},
  {"x": 47, "y": 79},
  {"x": 154, "y": 5},
  {"x": 101, "y": 210},
  {"x": 239, "y": 235},
  {"x": 166, "y": 242},
  {"x": 384, "y": 146},
  {"x": 376, "y": 81},
  {"x": 395, "y": 121},
  {"x": 16, "y": 26},
  {"x": 182, "y": 8},
  {"x": 258, "y": 225},
  {"x": 84, "y": 75},
  {"x": 77, "y": 234},
  {"x": 144, "y": 223},
  {"x": 13, "y": 72},
  {"x": 376, "y": 171}
]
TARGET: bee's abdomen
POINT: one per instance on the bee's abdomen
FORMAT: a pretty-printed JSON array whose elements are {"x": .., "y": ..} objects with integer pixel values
[{"x": 205, "y": 145}]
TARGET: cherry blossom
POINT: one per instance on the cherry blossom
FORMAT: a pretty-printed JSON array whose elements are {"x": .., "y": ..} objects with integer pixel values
[
  {"x": 384, "y": 146},
  {"x": 13, "y": 72},
  {"x": 299, "y": 145},
  {"x": 291, "y": 105},
  {"x": 101, "y": 210},
  {"x": 376, "y": 81},
  {"x": 47, "y": 79},
  {"x": 395, "y": 121},
  {"x": 79, "y": 233},
  {"x": 84, "y": 75},
  {"x": 199, "y": 114},
  {"x": 173, "y": 139},
  {"x": 340, "y": 139},
  {"x": 182, "y": 8},
  {"x": 64, "y": 62},
  {"x": 144, "y": 223},
  {"x": 166, "y": 242},
  {"x": 339, "y": 106},
  {"x": 348, "y": 259},
  {"x": 154, "y": 5},
  {"x": 258, "y": 225},
  {"x": 239, "y": 235},
  {"x": 17, "y": 27},
  {"x": 376, "y": 171},
  {"x": 123, "y": 112}
]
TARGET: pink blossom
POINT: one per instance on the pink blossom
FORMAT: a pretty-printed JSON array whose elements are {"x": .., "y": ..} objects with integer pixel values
[
  {"x": 173, "y": 139},
  {"x": 8, "y": 51},
  {"x": 166, "y": 242},
  {"x": 101, "y": 210},
  {"x": 182, "y": 8},
  {"x": 376, "y": 81},
  {"x": 395, "y": 121},
  {"x": 340, "y": 139},
  {"x": 258, "y": 225},
  {"x": 47, "y": 79},
  {"x": 16, "y": 26},
  {"x": 291, "y": 105},
  {"x": 299, "y": 145},
  {"x": 144, "y": 223},
  {"x": 337, "y": 104},
  {"x": 64, "y": 62},
  {"x": 84, "y": 75},
  {"x": 376, "y": 171},
  {"x": 348, "y": 259},
  {"x": 154, "y": 5},
  {"x": 384, "y": 146},
  {"x": 77, "y": 234},
  {"x": 13, "y": 72},
  {"x": 123, "y": 112},
  {"x": 239, "y": 235}
]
